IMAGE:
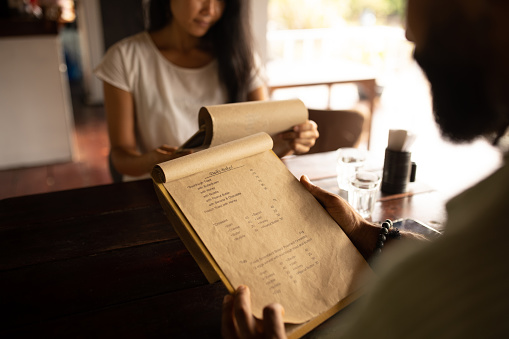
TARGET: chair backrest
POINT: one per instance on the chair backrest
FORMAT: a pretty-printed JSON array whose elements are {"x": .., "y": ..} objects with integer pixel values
[{"x": 337, "y": 128}]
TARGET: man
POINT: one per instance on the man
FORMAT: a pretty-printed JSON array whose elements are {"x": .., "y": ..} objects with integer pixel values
[{"x": 458, "y": 285}]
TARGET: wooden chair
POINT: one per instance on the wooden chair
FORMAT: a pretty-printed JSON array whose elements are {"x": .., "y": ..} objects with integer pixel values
[{"x": 337, "y": 128}]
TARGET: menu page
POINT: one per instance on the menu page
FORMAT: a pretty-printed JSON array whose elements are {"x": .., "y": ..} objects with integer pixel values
[
  {"x": 219, "y": 124},
  {"x": 233, "y": 121},
  {"x": 265, "y": 230}
]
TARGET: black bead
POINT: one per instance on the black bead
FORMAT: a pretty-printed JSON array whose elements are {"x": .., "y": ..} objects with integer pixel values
[
  {"x": 387, "y": 231},
  {"x": 394, "y": 234}
]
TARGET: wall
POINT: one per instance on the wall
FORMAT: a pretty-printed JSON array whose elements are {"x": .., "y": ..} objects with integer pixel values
[
  {"x": 259, "y": 18},
  {"x": 36, "y": 121},
  {"x": 120, "y": 18},
  {"x": 90, "y": 32}
]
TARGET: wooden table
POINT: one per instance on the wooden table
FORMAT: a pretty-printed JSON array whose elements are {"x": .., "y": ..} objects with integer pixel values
[
  {"x": 421, "y": 201},
  {"x": 105, "y": 262}
]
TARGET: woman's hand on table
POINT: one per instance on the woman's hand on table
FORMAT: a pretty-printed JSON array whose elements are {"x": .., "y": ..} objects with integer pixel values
[
  {"x": 238, "y": 321},
  {"x": 296, "y": 141}
]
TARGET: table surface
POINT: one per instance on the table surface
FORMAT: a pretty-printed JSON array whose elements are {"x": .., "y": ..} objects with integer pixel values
[{"x": 105, "y": 262}]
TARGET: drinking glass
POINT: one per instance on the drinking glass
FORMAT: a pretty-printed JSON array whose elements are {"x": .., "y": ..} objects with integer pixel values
[
  {"x": 349, "y": 161},
  {"x": 363, "y": 192}
]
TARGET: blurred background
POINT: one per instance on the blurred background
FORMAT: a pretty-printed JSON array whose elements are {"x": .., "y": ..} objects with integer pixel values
[{"x": 52, "y": 123}]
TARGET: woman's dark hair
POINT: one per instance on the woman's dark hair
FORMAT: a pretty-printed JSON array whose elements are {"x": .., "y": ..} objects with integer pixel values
[
  {"x": 230, "y": 39},
  {"x": 157, "y": 14}
]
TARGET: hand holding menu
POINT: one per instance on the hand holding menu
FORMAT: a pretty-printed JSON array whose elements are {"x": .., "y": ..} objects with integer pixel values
[
  {"x": 247, "y": 220},
  {"x": 222, "y": 123}
]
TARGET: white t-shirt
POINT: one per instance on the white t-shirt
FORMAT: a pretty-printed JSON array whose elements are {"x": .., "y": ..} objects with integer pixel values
[{"x": 167, "y": 97}]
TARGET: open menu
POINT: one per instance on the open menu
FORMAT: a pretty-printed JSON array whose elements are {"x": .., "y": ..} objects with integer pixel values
[
  {"x": 247, "y": 220},
  {"x": 222, "y": 123}
]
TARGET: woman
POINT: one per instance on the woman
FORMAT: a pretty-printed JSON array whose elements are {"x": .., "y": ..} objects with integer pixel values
[{"x": 195, "y": 53}]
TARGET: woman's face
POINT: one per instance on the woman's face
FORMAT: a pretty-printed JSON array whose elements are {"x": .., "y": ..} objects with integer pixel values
[{"x": 196, "y": 16}]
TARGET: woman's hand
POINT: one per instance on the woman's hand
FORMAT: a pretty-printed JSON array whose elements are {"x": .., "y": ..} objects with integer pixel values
[
  {"x": 164, "y": 153},
  {"x": 361, "y": 232},
  {"x": 297, "y": 141},
  {"x": 126, "y": 158},
  {"x": 238, "y": 322},
  {"x": 131, "y": 162}
]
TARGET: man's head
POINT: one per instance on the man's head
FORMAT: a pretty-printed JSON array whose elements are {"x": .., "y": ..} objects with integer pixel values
[{"x": 462, "y": 48}]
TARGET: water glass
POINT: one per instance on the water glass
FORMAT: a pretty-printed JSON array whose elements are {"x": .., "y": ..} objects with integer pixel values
[
  {"x": 363, "y": 192},
  {"x": 349, "y": 161}
]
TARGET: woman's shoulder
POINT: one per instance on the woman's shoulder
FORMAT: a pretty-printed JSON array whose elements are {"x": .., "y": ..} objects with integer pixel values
[
  {"x": 137, "y": 41},
  {"x": 132, "y": 50},
  {"x": 123, "y": 60}
]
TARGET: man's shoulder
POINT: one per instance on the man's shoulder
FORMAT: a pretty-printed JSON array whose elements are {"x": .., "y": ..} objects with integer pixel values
[
  {"x": 489, "y": 190},
  {"x": 483, "y": 204}
]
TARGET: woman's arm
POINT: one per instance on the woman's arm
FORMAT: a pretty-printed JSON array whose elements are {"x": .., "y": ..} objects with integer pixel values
[
  {"x": 297, "y": 141},
  {"x": 119, "y": 106}
]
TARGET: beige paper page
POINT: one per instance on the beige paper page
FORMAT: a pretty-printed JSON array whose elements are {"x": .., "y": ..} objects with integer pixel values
[
  {"x": 213, "y": 157},
  {"x": 266, "y": 231},
  {"x": 234, "y": 121}
]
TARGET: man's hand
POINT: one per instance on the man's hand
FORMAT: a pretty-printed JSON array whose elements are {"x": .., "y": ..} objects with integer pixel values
[
  {"x": 361, "y": 232},
  {"x": 238, "y": 321},
  {"x": 297, "y": 141}
]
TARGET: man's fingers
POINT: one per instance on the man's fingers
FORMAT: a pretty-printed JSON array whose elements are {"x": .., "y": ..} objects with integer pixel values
[
  {"x": 337, "y": 207},
  {"x": 227, "y": 324},
  {"x": 324, "y": 197},
  {"x": 242, "y": 311},
  {"x": 273, "y": 324}
]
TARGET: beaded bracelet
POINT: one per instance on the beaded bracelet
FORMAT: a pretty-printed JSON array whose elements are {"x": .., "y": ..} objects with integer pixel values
[{"x": 386, "y": 232}]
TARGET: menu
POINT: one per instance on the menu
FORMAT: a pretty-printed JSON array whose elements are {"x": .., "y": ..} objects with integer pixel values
[{"x": 263, "y": 229}]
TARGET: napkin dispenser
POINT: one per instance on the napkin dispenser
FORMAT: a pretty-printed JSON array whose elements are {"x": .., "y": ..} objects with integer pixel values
[{"x": 398, "y": 168}]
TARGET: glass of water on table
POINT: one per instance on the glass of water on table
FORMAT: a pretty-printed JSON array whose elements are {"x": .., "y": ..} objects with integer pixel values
[
  {"x": 363, "y": 192},
  {"x": 348, "y": 162}
]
